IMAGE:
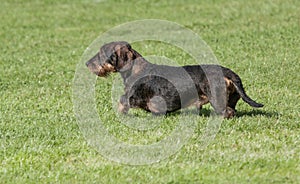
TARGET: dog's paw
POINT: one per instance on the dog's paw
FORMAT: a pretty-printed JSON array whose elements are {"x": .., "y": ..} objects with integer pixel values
[
  {"x": 229, "y": 113},
  {"x": 123, "y": 109}
]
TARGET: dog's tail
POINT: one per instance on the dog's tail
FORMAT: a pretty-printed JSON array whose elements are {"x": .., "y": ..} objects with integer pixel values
[{"x": 237, "y": 82}]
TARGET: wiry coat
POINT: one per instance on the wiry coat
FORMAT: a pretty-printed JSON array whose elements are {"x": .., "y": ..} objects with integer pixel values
[{"x": 161, "y": 89}]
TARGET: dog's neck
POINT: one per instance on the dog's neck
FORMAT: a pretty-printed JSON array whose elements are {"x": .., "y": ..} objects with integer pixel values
[{"x": 134, "y": 67}]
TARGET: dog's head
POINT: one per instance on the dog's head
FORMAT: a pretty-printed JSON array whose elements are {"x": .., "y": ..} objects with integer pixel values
[{"x": 112, "y": 57}]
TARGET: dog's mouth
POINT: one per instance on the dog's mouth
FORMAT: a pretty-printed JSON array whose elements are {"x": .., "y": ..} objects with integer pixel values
[
  {"x": 105, "y": 70},
  {"x": 101, "y": 70}
]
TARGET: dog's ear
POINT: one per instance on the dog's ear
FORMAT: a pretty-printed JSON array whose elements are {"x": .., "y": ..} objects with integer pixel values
[{"x": 122, "y": 57}]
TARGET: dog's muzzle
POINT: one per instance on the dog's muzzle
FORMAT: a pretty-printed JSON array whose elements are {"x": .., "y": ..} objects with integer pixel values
[{"x": 94, "y": 60}]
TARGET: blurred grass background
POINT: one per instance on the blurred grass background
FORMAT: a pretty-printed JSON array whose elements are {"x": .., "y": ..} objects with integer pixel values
[{"x": 42, "y": 41}]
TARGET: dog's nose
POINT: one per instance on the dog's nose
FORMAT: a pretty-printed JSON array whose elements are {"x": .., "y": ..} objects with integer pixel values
[{"x": 93, "y": 60}]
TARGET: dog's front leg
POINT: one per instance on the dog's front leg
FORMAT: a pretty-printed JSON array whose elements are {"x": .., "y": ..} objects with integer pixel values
[{"x": 123, "y": 105}]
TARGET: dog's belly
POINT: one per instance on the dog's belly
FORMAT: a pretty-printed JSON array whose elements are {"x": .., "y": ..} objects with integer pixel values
[{"x": 157, "y": 93}]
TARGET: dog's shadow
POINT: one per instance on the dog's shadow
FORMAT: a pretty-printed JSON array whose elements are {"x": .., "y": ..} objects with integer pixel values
[
  {"x": 208, "y": 112},
  {"x": 257, "y": 112}
]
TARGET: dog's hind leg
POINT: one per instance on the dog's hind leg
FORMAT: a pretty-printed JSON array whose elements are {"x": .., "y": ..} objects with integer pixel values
[
  {"x": 218, "y": 98},
  {"x": 232, "y": 98}
]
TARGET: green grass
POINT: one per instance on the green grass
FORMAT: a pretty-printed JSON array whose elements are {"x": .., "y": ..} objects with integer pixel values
[{"x": 42, "y": 42}]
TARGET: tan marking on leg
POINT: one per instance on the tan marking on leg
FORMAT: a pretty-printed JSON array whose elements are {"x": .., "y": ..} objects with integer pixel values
[
  {"x": 229, "y": 86},
  {"x": 229, "y": 113},
  {"x": 157, "y": 105},
  {"x": 122, "y": 109},
  {"x": 202, "y": 101}
]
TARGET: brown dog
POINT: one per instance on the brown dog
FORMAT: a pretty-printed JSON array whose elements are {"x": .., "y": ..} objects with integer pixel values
[{"x": 161, "y": 89}]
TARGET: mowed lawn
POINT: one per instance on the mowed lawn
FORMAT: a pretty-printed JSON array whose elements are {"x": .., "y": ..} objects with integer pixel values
[{"x": 41, "y": 42}]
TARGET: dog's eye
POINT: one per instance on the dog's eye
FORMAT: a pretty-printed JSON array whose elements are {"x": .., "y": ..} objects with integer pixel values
[{"x": 113, "y": 57}]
